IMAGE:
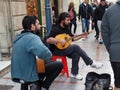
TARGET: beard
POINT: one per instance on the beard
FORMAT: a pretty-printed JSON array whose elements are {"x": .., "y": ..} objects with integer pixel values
[
  {"x": 66, "y": 25},
  {"x": 37, "y": 31}
]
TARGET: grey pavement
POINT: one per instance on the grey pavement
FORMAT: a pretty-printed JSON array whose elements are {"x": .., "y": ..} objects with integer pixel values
[{"x": 96, "y": 51}]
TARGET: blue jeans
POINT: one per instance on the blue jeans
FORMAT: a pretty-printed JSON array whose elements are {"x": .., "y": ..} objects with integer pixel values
[{"x": 85, "y": 24}]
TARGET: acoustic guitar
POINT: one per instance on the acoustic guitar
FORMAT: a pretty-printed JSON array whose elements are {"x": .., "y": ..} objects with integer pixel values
[
  {"x": 67, "y": 38},
  {"x": 40, "y": 65}
]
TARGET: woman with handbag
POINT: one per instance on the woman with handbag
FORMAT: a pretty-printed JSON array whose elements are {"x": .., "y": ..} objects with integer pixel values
[{"x": 72, "y": 13}]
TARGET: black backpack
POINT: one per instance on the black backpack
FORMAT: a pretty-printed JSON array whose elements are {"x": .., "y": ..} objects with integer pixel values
[{"x": 95, "y": 81}]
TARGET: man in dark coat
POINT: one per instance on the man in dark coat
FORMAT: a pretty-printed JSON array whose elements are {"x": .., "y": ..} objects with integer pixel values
[{"x": 110, "y": 29}]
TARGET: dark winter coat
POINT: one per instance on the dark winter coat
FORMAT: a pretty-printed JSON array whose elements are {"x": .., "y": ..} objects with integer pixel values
[
  {"x": 99, "y": 12},
  {"x": 110, "y": 29},
  {"x": 85, "y": 11}
]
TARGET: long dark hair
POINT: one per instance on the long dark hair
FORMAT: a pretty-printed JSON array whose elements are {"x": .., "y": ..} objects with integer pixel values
[
  {"x": 71, "y": 5},
  {"x": 62, "y": 16}
]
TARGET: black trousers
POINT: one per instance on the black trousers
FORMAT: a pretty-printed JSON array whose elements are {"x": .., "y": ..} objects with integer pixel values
[
  {"x": 74, "y": 52},
  {"x": 52, "y": 70},
  {"x": 73, "y": 22},
  {"x": 116, "y": 71},
  {"x": 96, "y": 28}
]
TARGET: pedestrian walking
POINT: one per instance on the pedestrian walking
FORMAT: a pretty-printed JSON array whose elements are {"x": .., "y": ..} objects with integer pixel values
[
  {"x": 98, "y": 15},
  {"x": 110, "y": 29},
  {"x": 72, "y": 13},
  {"x": 85, "y": 14}
]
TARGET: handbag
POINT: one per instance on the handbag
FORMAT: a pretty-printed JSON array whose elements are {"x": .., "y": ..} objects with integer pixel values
[
  {"x": 95, "y": 81},
  {"x": 40, "y": 65}
]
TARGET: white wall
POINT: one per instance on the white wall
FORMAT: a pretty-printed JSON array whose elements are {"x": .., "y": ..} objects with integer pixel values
[
  {"x": 11, "y": 15},
  {"x": 18, "y": 12},
  {"x": 65, "y": 5}
]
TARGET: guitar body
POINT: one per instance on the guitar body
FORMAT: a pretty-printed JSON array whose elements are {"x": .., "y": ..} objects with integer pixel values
[
  {"x": 40, "y": 65},
  {"x": 63, "y": 37}
]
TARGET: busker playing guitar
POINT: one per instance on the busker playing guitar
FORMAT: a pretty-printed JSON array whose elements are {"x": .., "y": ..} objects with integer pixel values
[
  {"x": 72, "y": 51},
  {"x": 67, "y": 39}
]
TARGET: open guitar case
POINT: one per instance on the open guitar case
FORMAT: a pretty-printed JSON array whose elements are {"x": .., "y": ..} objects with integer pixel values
[{"x": 95, "y": 81}]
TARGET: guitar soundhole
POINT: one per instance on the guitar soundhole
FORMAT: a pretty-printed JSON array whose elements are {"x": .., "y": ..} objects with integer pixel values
[
  {"x": 63, "y": 45},
  {"x": 66, "y": 38}
]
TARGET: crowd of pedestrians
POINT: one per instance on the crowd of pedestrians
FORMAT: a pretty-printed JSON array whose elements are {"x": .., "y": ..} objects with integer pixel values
[{"x": 89, "y": 12}]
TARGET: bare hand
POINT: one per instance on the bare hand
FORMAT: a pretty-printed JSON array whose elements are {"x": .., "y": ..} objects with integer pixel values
[
  {"x": 63, "y": 42},
  {"x": 84, "y": 35}
]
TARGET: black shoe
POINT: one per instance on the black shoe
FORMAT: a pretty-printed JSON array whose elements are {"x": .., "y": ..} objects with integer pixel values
[
  {"x": 97, "y": 36},
  {"x": 44, "y": 88}
]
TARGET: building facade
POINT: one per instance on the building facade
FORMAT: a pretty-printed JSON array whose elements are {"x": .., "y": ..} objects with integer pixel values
[{"x": 13, "y": 11}]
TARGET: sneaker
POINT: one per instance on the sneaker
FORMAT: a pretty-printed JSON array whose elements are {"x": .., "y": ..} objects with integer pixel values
[
  {"x": 43, "y": 88},
  {"x": 96, "y": 65},
  {"x": 78, "y": 76},
  {"x": 100, "y": 41}
]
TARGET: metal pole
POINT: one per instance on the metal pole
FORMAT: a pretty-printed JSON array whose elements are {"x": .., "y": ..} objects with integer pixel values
[
  {"x": 0, "y": 56},
  {"x": 0, "y": 52},
  {"x": 48, "y": 16}
]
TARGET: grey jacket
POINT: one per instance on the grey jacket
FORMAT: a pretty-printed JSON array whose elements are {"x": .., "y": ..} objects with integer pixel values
[{"x": 110, "y": 29}]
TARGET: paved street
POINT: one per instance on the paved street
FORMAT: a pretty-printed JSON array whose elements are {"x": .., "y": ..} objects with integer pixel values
[{"x": 96, "y": 51}]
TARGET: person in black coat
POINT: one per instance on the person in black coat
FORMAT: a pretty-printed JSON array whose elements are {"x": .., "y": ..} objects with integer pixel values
[
  {"x": 98, "y": 15},
  {"x": 85, "y": 14}
]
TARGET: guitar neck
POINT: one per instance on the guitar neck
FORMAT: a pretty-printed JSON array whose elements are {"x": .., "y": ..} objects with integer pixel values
[
  {"x": 67, "y": 39},
  {"x": 77, "y": 37}
]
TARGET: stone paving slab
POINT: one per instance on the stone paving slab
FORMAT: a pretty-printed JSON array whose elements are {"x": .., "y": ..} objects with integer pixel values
[
  {"x": 4, "y": 67},
  {"x": 6, "y": 87},
  {"x": 4, "y": 64}
]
